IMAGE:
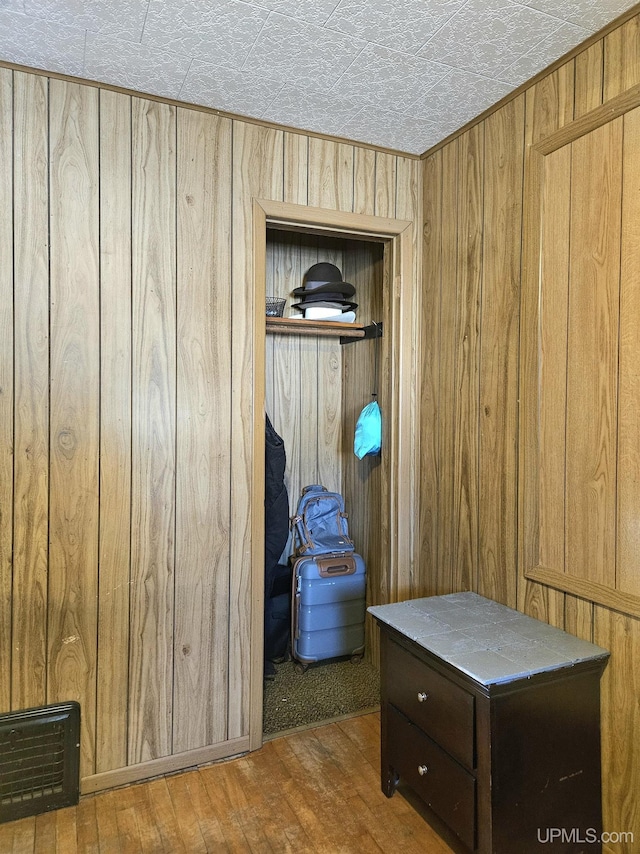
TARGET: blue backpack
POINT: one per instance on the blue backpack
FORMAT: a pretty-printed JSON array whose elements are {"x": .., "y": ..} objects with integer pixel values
[{"x": 320, "y": 524}]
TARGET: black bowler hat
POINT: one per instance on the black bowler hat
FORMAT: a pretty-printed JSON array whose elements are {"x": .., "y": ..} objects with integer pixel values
[{"x": 325, "y": 278}]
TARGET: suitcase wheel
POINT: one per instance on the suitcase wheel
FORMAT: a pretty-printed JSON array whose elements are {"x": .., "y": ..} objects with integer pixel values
[
  {"x": 357, "y": 658},
  {"x": 299, "y": 667}
]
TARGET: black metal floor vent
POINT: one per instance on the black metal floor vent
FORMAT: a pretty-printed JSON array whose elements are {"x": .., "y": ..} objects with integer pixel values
[{"x": 39, "y": 760}]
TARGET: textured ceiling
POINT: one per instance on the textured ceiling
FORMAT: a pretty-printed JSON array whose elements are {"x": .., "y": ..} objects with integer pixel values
[{"x": 401, "y": 74}]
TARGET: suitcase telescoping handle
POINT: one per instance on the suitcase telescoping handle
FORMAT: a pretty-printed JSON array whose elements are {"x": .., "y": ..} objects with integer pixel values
[{"x": 328, "y": 567}]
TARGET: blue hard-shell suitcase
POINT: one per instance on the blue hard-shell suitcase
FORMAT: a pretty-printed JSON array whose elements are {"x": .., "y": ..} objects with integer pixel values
[{"x": 328, "y": 607}]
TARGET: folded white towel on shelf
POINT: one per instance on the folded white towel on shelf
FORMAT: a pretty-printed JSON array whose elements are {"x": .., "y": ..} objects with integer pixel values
[{"x": 329, "y": 314}]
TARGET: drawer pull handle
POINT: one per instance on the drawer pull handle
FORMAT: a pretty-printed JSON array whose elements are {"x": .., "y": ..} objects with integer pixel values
[
  {"x": 422, "y": 696},
  {"x": 422, "y": 770}
]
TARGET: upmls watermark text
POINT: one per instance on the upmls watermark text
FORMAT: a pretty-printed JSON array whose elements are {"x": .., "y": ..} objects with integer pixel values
[{"x": 581, "y": 835}]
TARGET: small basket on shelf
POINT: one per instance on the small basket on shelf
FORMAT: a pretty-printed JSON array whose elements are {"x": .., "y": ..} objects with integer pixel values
[{"x": 275, "y": 306}]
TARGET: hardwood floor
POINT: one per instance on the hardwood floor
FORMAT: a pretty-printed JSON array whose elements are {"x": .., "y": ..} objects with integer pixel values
[{"x": 311, "y": 791}]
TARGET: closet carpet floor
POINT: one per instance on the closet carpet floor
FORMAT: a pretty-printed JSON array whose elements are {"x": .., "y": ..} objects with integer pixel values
[{"x": 324, "y": 691}]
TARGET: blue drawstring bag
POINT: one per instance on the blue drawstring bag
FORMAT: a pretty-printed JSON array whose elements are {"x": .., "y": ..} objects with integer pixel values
[{"x": 368, "y": 438}]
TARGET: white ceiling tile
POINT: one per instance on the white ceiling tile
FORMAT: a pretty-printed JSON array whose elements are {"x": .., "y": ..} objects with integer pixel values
[
  {"x": 134, "y": 66},
  {"x": 590, "y": 14},
  {"x": 295, "y": 51},
  {"x": 487, "y": 36},
  {"x": 41, "y": 44},
  {"x": 221, "y": 33},
  {"x": 404, "y": 25},
  {"x": 311, "y": 11},
  {"x": 423, "y": 142},
  {"x": 385, "y": 128},
  {"x": 123, "y": 18},
  {"x": 228, "y": 89},
  {"x": 385, "y": 78},
  {"x": 318, "y": 111},
  {"x": 543, "y": 54},
  {"x": 457, "y": 99}
]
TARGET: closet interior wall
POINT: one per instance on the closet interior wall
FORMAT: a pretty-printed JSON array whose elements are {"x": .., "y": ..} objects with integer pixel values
[{"x": 316, "y": 388}]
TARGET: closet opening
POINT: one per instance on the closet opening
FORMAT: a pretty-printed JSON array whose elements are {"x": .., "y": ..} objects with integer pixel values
[
  {"x": 311, "y": 384},
  {"x": 315, "y": 388}
]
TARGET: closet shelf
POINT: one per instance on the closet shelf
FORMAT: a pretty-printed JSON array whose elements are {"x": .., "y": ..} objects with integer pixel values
[{"x": 300, "y": 326}]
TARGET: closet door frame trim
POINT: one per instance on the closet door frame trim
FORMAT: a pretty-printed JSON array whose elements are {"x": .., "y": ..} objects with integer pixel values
[{"x": 402, "y": 445}]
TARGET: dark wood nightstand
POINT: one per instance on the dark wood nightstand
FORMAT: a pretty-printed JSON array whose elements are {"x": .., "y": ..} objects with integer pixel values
[{"x": 493, "y": 719}]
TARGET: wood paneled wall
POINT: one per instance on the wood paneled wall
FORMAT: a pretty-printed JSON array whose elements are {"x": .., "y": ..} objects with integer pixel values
[
  {"x": 126, "y": 406},
  {"x": 472, "y": 254}
]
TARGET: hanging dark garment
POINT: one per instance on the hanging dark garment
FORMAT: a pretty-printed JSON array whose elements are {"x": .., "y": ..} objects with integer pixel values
[{"x": 277, "y": 577}]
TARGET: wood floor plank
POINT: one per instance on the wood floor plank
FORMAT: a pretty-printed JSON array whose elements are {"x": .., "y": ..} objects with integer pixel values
[
  {"x": 149, "y": 831},
  {"x": 45, "y": 839},
  {"x": 107, "y": 822},
  {"x": 241, "y": 808},
  {"x": 265, "y": 811},
  {"x": 23, "y": 837},
  {"x": 315, "y": 791},
  {"x": 186, "y": 816},
  {"x": 320, "y": 811},
  {"x": 218, "y": 803},
  {"x": 87, "y": 827},
  {"x": 129, "y": 836},
  {"x": 164, "y": 816},
  {"x": 66, "y": 830},
  {"x": 207, "y": 820},
  {"x": 270, "y": 775},
  {"x": 130, "y": 813}
]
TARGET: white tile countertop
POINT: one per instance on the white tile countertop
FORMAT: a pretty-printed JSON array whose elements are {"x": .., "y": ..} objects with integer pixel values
[{"x": 488, "y": 641}]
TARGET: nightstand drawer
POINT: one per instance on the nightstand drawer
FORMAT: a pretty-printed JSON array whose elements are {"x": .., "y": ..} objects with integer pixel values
[
  {"x": 438, "y": 779},
  {"x": 444, "y": 711}
]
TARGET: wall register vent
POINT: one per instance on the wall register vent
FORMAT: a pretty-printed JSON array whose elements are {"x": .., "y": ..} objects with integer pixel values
[{"x": 39, "y": 760}]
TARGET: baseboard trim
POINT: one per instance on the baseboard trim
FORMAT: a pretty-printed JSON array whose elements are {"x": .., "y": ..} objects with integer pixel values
[{"x": 164, "y": 765}]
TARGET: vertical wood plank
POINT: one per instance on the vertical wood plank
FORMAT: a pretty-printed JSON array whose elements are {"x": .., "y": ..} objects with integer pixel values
[
  {"x": 362, "y": 481},
  {"x": 622, "y": 58},
  {"x": 287, "y": 384},
  {"x": 203, "y": 464},
  {"x": 620, "y": 688},
  {"x": 154, "y": 430},
  {"x": 627, "y": 576},
  {"x": 408, "y": 206},
  {"x": 588, "y": 79},
  {"x": 504, "y": 153},
  {"x": 552, "y": 343},
  {"x": 429, "y": 391},
  {"x": 31, "y": 391},
  {"x": 593, "y": 353},
  {"x": 589, "y": 85},
  {"x": 6, "y": 381},
  {"x": 74, "y": 420},
  {"x": 467, "y": 360},
  {"x": 309, "y": 366},
  {"x": 115, "y": 431},
  {"x": 330, "y": 450},
  {"x": 330, "y": 174},
  {"x": 257, "y": 172},
  {"x": 385, "y": 186},
  {"x": 364, "y": 180},
  {"x": 296, "y": 168},
  {"x": 449, "y": 265},
  {"x": 548, "y": 106}
]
